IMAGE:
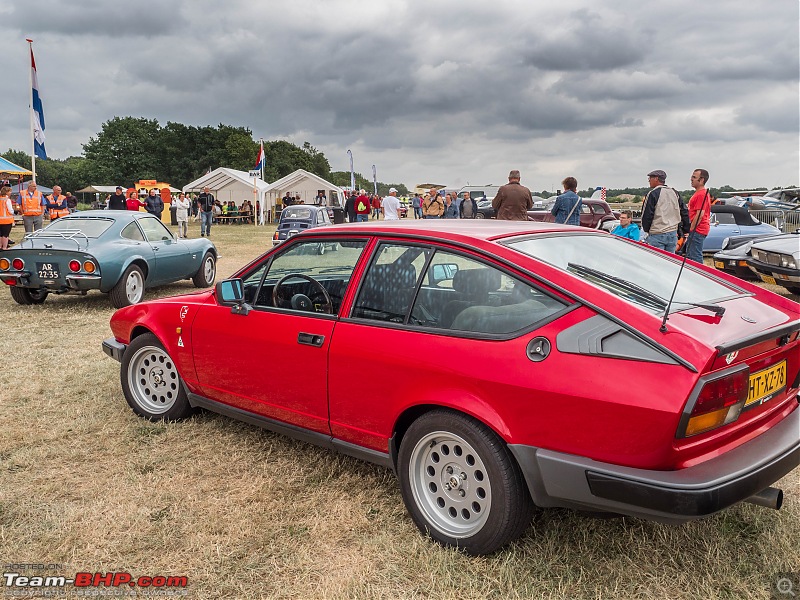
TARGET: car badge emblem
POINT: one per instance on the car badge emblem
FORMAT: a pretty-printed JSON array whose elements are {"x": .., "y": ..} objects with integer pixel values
[
  {"x": 184, "y": 310},
  {"x": 729, "y": 358},
  {"x": 748, "y": 319}
]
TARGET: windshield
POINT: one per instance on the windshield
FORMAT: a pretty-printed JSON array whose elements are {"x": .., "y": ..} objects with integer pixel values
[
  {"x": 296, "y": 213},
  {"x": 630, "y": 271},
  {"x": 90, "y": 227}
]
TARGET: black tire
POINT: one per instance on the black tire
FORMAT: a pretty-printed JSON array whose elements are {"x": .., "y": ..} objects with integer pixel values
[
  {"x": 460, "y": 483},
  {"x": 26, "y": 296},
  {"x": 207, "y": 272},
  {"x": 151, "y": 382},
  {"x": 480, "y": 215},
  {"x": 129, "y": 289}
]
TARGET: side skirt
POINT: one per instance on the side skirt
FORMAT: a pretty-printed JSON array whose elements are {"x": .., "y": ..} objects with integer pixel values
[{"x": 312, "y": 437}]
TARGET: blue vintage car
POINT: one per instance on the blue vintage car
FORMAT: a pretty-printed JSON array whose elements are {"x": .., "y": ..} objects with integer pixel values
[
  {"x": 729, "y": 221},
  {"x": 118, "y": 252},
  {"x": 297, "y": 218}
]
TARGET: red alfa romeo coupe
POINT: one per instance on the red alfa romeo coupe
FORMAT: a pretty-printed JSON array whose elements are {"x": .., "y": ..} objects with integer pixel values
[{"x": 512, "y": 366}]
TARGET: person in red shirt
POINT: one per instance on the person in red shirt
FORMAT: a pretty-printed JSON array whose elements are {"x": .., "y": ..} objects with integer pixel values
[
  {"x": 363, "y": 206},
  {"x": 699, "y": 210},
  {"x": 133, "y": 202}
]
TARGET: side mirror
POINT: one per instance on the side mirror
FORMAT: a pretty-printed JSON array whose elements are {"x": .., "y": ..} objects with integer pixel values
[
  {"x": 230, "y": 292},
  {"x": 444, "y": 272}
]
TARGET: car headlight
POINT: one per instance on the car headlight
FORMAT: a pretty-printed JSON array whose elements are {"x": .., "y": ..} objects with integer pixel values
[
  {"x": 725, "y": 242},
  {"x": 787, "y": 262}
]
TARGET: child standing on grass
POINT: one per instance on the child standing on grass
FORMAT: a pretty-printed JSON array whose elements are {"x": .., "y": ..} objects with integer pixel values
[
  {"x": 6, "y": 216},
  {"x": 182, "y": 215}
]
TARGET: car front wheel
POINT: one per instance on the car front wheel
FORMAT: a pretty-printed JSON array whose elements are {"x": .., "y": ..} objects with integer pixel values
[
  {"x": 151, "y": 382},
  {"x": 480, "y": 215},
  {"x": 27, "y": 296},
  {"x": 461, "y": 485},
  {"x": 206, "y": 273}
]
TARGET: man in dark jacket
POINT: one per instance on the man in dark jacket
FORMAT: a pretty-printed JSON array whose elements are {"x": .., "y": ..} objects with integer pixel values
[
  {"x": 513, "y": 201},
  {"x": 468, "y": 207},
  {"x": 350, "y": 207},
  {"x": 117, "y": 200},
  {"x": 153, "y": 203},
  {"x": 205, "y": 202}
]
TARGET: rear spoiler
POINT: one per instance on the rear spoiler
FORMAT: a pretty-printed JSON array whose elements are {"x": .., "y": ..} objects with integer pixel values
[{"x": 781, "y": 331}]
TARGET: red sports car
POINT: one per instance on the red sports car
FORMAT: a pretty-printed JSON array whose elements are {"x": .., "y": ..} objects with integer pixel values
[{"x": 511, "y": 366}]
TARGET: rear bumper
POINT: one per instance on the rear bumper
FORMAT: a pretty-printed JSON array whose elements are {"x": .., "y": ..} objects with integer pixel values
[
  {"x": 77, "y": 283},
  {"x": 114, "y": 348},
  {"x": 557, "y": 479}
]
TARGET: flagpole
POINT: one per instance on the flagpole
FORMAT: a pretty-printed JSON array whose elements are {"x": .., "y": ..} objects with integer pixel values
[{"x": 30, "y": 87}]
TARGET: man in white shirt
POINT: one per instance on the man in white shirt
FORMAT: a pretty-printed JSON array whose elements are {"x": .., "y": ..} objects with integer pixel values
[{"x": 390, "y": 206}]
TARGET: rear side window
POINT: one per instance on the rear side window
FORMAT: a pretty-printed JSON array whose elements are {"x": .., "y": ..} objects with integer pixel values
[
  {"x": 132, "y": 232},
  {"x": 466, "y": 295},
  {"x": 387, "y": 291}
]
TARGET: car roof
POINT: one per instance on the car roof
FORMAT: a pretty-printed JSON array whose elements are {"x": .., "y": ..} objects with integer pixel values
[{"x": 451, "y": 229}]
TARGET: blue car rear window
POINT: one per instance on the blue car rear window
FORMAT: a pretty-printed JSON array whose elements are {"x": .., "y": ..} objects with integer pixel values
[{"x": 90, "y": 227}]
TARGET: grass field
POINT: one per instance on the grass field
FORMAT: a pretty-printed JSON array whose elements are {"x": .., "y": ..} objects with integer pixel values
[{"x": 244, "y": 513}]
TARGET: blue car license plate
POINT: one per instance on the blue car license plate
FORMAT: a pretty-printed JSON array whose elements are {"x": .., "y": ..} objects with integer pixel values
[{"x": 48, "y": 271}]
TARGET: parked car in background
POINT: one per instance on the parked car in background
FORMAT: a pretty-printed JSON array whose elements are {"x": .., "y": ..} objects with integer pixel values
[
  {"x": 299, "y": 217},
  {"x": 735, "y": 254},
  {"x": 729, "y": 221},
  {"x": 777, "y": 260},
  {"x": 402, "y": 210},
  {"x": 120, "y": 253},
  {"x": 485, "y": 210},
  {"x": 519, "y": 419},
  {"x": 595, "y": 214}
]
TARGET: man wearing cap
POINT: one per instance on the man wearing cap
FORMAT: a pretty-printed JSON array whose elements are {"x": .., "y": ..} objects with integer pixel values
[
  {"x": 390, "y": 207},
  {"x": 117, "y": 200},
  {"x": 513, "y": 200},
  {"x": 662, "y": 212}
]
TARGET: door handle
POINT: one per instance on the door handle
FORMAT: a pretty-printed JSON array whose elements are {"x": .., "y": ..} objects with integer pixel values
[{"x": 310, "y": 339}]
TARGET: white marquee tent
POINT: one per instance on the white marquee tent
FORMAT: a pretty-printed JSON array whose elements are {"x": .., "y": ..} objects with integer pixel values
[{"x": 230, "y": 184}]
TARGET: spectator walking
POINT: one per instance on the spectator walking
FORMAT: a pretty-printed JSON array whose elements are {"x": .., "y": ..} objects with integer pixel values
[
  {"x": 72, "y": 203},
  {"x": 117, "y": 200},
  {"x": 57, "y": 203},
  {"x": 32, "y": 204},
  {"x": 468, "y": 209},
  {"x": 350, "y": 207},
  {"x": 432, "y": 206},
  {"x": 153, "y": 203},
  {"x": 363, "y": 206},
  {"x": 182, "y": 206},
  {"x": 376, "y": 206},
  {"x": 626, "y": 228},
  {"x": 6, "y": 216},
  {"x": 390, "y": 207},
  {"x": 663, "y": 212},
  {"x": 416, "y": 204},
  {"x": 133, "y": 202},
  {"x": 450, "y": 208},
  {"x": 567, "y": 209},
  {"x": 699, "y": 211},
  {"x": 205, "y": 204},
  {"x": 513, "y": 200}
]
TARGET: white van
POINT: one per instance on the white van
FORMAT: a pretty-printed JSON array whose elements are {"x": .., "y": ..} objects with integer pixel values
[{"x": 479, "y": 191}]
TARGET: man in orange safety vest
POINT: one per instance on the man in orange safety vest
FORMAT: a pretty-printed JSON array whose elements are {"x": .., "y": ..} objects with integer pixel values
[
  {"x": 31, "y": 203},
  {"x": 57, "y": 203}
]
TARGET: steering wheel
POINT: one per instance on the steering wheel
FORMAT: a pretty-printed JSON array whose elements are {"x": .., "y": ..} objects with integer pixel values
[{"x": 301, "y": 301}]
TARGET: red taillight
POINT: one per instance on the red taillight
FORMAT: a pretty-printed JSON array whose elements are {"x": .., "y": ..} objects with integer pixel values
[
  {"x": 18, "y": 264},
  {"x": 275, "y": 237},
  {"x": 74, "y": 266},
  {"x": 719, "y": 402}
]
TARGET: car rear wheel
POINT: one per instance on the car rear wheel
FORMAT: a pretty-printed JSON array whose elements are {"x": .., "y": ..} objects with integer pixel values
[
  {"x": 129, "y": 289},
  {"x": 27, "y": 296},
  {"x": 480, "y": 215},
  {"x": 151, "y": 382},
  {"x": 461, "y": 485},
  {"x": 206, "y": 273}
]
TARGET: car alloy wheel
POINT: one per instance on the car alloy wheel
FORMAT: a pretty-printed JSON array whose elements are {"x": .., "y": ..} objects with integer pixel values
[
  {"x": 206, "y": 273},
  {"x": 151, "y": 382},
  {"x": 460, "y": 483}
]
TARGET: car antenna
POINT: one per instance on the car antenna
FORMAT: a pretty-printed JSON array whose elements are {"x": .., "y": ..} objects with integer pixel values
[{"x": 717, "y": 310}]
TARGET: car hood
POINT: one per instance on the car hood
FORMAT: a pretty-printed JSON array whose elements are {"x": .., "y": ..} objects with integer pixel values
[{"x": 783, "y": 244}]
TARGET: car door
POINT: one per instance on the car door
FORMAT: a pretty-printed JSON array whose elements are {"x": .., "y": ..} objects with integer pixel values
[
  {"x": 273, "y": 361},
  {"x": 171, "y": 259}
]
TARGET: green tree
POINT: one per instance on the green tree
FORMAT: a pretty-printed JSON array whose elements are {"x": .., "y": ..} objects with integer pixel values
[{"x": 125, "y": 150}]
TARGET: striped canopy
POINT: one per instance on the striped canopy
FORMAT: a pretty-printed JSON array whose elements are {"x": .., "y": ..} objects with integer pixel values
[{"x": 9, "y": 168}]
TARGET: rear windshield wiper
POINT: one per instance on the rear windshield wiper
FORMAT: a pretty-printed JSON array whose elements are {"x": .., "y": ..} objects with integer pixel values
[{"x": 644, "y": 294}]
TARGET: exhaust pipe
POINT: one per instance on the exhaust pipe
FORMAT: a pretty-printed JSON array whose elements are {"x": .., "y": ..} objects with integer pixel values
[{"x": 770, "y": 497}]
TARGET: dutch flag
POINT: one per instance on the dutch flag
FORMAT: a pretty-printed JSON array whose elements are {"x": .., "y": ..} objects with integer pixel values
[
  {"x": 260, "y": 158},
  {"x": 38, "y": 114}
]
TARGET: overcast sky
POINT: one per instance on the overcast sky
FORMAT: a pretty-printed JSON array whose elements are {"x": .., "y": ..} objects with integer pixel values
[{"x": 440, "y": 91}]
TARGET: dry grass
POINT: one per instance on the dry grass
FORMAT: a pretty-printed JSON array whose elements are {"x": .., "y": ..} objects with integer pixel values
[{"x": 245, "y": 513}]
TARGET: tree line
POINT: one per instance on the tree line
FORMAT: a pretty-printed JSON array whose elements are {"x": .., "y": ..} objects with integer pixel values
[{"x": 128, "y": 149}]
